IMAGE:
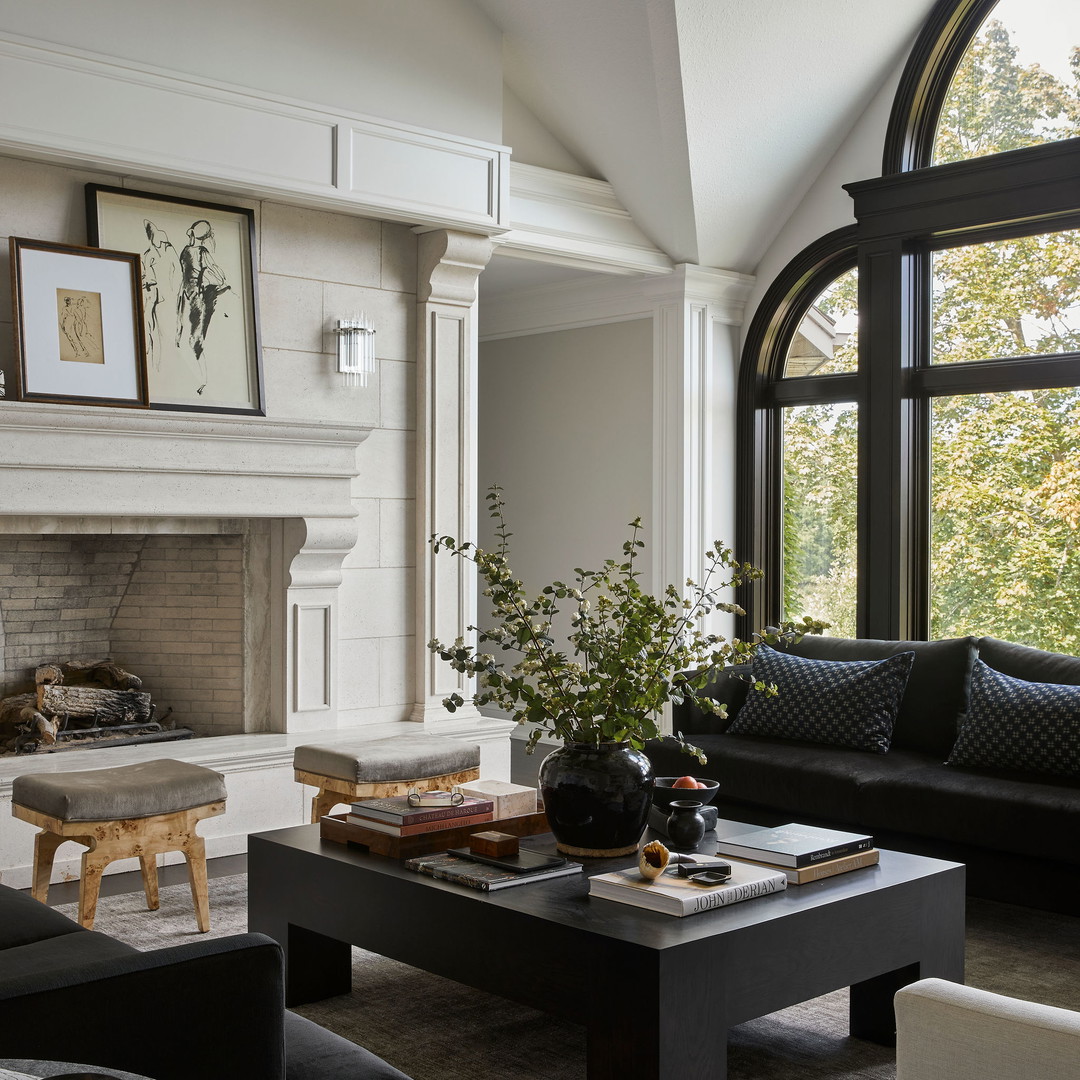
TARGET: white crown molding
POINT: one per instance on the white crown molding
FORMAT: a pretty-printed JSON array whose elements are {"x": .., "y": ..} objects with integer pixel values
[
  {"x": 575, "y": 221},
  {"x": 592, "y": 300},
  {"x": 86, "y": 108}
]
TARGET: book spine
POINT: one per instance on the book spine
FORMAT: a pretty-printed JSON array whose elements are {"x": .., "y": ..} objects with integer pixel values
[
  {"x": 733, "y": 894},
  {"x": 837, "y": 852},
  {"x": 419, "y": 828},
  {"x": 418, "y": 817},
  {"x": 826, "y": 869},
  {"x": 455, "y": 876}
]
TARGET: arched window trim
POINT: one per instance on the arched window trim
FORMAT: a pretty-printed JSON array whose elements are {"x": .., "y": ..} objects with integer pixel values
[
  {"x": 762, "y": 393},
  {"x": 938, "y": 50},
  {"x": 903, "y": 215}
]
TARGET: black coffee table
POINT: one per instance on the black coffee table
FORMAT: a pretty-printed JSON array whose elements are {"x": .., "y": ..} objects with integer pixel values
[{"x": 657, "y": 993}]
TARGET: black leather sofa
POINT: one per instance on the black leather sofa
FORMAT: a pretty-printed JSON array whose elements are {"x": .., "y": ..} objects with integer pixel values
[
  {"x": 1018, "y": 832},
  {"x": 213, "y": 1009}
]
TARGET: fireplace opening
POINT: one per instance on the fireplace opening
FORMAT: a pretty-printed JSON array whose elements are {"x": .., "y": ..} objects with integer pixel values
[{"x": 168, "y": 612}]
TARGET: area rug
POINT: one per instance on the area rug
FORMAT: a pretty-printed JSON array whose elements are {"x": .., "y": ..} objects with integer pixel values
[{"x": 434, "y": 1029}]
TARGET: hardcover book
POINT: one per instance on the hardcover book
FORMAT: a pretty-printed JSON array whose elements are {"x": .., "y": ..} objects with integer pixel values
[
  {"x": 416, "y": 828},
  {"x": 674, "y": 895},
  {"x": 793, "y": 845},
  {"x": 397, "y": 810},
  {"x": 830, "y": 868},
  {"x": 478, "y": 875}
]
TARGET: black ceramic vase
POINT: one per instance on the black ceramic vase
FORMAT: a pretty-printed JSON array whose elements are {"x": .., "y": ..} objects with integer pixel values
[
  {"x": 597, "y": 798},
  {"x": 686, "y": 825}
]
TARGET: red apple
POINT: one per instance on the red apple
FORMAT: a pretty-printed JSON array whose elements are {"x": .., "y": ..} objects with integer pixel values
[{"x": 686, "y": 782}]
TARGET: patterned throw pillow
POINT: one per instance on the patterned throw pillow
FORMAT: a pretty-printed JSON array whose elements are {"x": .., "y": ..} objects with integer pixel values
[
  {"x": 840, "y": 702},
  {"x": 1013, "y": 724}
]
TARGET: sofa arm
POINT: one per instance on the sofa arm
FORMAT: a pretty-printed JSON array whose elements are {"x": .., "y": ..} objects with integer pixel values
[
  {"x": 211, "y": 1009},
  {"x": 945, "y": 1031}
]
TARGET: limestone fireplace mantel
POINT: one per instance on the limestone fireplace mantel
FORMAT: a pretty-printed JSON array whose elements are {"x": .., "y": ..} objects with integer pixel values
[{"x": 73, "y": 469}]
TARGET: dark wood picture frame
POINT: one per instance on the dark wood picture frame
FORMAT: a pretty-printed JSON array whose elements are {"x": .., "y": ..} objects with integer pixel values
[
  {"x": 78, "y": 325},
  {"x": 199, "y": 294}
]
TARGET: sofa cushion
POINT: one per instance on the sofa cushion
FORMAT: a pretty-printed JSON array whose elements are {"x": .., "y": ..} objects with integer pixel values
[
  {"x": 794, "y": 778},
  {"x": 60, "y": 954},
  {"x": 841, "y": 703},
  {"x": 987, "y": 809},
  {"x": 313, "y": 1053},
  {"x": 1015, "y": 724},
  {"x": 729, "y": 687},
  {"x": 1034, "y": 665},
  {"x": 937, "y": 688},
  {"x": 24, "y": 920}
]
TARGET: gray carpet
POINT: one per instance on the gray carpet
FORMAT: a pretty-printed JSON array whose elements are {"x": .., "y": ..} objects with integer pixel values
[{"x": 433, "y": 1029}]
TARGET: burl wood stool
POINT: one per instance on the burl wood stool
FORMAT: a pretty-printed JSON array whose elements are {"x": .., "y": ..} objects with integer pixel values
[
  {"x": 128, "y": 812},
  {"x": 380, "y": 768}
]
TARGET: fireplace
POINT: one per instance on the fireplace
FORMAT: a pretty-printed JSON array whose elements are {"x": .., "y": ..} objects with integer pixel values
[
  {"x": 168, "y": 608},
  {"x": 203, "y": 553}
]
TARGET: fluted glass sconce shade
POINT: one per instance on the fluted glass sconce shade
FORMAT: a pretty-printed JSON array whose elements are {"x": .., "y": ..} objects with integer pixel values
[{"x": 356, "y": 350}]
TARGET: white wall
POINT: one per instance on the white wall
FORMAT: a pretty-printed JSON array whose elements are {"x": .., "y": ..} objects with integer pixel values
[
  {"x": 434, "y": 65},
  {"x": 827, "y": 206},
  {"x": 314, "y": 267},
  {"x": 566, "y": 429}
]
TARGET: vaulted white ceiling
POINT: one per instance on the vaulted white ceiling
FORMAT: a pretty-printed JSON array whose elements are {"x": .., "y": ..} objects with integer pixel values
[{"x": 710, "y": 118}]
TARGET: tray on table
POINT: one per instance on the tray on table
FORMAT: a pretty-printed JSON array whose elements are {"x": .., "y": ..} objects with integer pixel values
[{"x": 335, "y": 827}]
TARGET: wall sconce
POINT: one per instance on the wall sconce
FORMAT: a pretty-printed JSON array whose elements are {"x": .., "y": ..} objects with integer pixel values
[{"x": 355, "y": 350}]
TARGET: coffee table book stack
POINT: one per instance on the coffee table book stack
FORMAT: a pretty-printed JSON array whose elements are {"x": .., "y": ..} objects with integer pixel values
[
  {"x": 675, "y": 895},
  {"x": 803, "y": 853},
  {"x": 404, "y": 816}
]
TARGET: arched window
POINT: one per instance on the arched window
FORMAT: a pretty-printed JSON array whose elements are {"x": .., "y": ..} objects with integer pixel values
[{"x": 933, "y": 487}]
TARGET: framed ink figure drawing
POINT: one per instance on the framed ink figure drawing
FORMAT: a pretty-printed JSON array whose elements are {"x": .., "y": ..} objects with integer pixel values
[
  {"x": 198, "y": 291},
  {"x": 78, "y": 324}
]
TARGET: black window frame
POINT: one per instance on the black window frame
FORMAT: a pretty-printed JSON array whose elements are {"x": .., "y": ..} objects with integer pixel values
[{"x": 901, "y": 217}]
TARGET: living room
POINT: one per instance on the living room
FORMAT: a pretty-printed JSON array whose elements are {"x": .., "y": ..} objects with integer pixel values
[{"x": 591, "y": 240}]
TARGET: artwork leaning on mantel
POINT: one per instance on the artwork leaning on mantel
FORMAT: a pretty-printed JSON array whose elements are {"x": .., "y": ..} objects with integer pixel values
[
  {"x": 200, "y": 306},
  {"x": 600, "y": 692}
]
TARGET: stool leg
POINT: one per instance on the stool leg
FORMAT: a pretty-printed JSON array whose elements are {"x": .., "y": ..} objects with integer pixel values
[
  {"x": 94, "y": 861},
  {"x": 45, "y": 845},
  {"x": 195, "y": 852},
  {"x": 323, "y": 803},
  {"x": 150, "y": 881}
]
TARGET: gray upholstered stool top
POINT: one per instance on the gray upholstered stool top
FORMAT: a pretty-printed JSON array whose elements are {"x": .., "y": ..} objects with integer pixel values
[
  {"x": 400, "y": 757},
  {"x": 142, "y": 790}
]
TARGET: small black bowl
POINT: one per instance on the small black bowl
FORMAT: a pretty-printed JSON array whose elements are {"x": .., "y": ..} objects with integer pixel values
[{"x": 664, "y": 794}]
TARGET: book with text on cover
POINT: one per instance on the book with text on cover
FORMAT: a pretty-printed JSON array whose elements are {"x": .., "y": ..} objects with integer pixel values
[
  {"x": 478, "y": 875},
  {"x": 819, "y": 871},
  {"x": 674, "y": 895},
  {"x": 793, "y": 845},
  {"x": 419, "y": 827},
  {"x": 397, "y": 811}
]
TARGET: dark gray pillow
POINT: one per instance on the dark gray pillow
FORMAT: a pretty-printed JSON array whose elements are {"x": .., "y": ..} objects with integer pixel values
[
  {"x": 841, "y": 703},
  {"x": 1019, "y": 725}
]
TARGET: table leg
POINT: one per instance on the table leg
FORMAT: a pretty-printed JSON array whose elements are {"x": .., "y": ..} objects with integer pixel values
[
  {"x": 870, "y": 1013},
  {"x": 675, "y": 1037},
  {"x": 316, "y": 966}
]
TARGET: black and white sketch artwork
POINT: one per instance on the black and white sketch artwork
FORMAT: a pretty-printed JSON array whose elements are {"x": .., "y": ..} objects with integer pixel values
[{"x": 198, "y": 295}]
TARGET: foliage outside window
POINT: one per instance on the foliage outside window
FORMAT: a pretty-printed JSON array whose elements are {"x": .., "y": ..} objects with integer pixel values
[{"x": 983, "y": 460}]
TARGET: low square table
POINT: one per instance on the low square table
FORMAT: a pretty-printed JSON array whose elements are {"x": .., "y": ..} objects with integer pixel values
[{"x": 657, "y": 993}]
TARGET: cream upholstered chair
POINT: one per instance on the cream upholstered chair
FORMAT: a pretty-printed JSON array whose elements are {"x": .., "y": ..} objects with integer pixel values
[{"x": 945, "y": 1031}]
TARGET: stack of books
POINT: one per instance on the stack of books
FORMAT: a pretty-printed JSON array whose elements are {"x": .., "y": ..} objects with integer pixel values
[
  {"x": 675, "y": 895},
  {"x": 396, "y": 817},
  {"x": 803, "y": 853}
]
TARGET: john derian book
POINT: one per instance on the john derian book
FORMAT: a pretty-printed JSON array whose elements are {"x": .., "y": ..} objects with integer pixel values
[
  {"x": 675, "y": 895},
  {"x": 793, "y": 845}
]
